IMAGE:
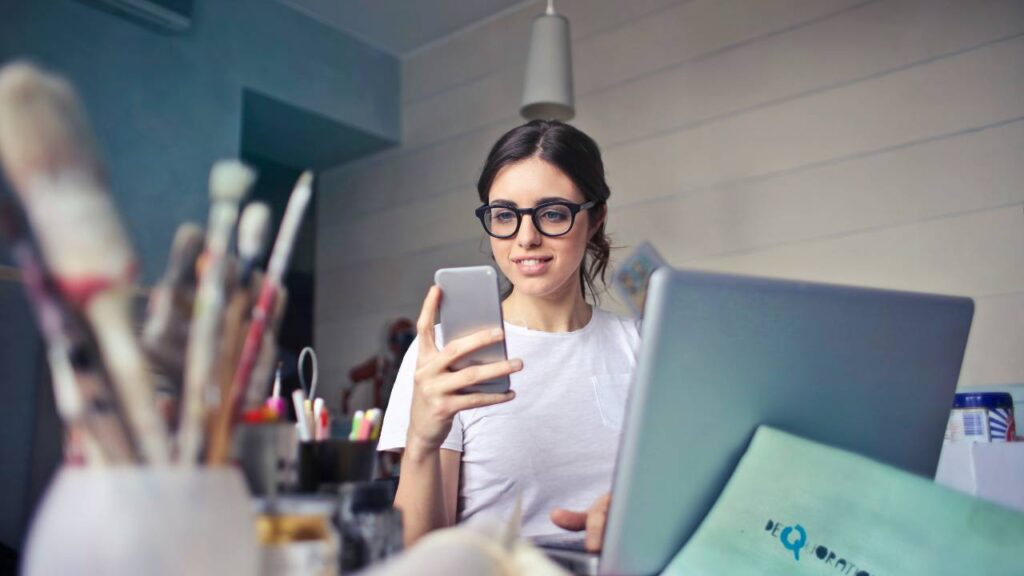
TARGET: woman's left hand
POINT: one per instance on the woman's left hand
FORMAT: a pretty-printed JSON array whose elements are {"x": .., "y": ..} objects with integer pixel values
[{"x": 592, "y": 520}]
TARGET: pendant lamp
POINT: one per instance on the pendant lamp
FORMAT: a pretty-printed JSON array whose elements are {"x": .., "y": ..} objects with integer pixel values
[{"x": 547, "y": 92}]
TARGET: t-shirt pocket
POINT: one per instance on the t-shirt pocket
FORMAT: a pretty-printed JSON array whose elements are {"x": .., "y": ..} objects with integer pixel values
[{"x": 611, "y": 392}]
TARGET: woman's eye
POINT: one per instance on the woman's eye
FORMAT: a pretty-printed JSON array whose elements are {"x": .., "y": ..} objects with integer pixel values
[
  {"x": 553, "y": 215},
  {"x": 503, "y": 216}
]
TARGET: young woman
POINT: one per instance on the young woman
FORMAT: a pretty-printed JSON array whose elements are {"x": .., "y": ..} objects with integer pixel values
[{"x": 552, "y": 439}]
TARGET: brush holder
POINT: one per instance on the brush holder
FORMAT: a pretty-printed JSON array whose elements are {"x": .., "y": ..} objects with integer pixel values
[{"x": 143, "y": 520}]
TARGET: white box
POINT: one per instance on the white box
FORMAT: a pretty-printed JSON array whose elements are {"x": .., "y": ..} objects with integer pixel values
[{"x": 992, "y": 471}]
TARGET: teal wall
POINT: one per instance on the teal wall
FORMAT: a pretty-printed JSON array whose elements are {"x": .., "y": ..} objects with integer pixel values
[{"x": 165, "y": 107}]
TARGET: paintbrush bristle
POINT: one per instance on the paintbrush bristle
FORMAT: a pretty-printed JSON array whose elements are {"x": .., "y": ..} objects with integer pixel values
[
  {"x": 50, "y": 157},
  {"x": 230, "y": 180},
  {"x": 42, "y": 126},
  {"x": 252, "y": 230}
]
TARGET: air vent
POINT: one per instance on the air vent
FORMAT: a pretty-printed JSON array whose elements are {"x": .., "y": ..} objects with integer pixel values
[{"x": 168, "y": 15}]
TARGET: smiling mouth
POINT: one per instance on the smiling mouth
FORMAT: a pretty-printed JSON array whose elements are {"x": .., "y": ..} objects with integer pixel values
[{"x": 532, "y": 261}]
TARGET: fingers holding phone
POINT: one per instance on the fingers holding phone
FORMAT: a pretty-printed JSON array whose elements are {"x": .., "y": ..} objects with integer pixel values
[
  {"x": 443, "y": 377},
  {"x": 454, "y": 354},
  {"x": 425, "y": 324}
]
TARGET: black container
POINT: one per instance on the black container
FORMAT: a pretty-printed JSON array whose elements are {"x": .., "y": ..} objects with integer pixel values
[{"x": 335, "y": 461}]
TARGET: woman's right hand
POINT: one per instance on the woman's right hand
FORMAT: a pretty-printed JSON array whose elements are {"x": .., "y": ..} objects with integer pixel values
[{"x": 436, "y": 398}]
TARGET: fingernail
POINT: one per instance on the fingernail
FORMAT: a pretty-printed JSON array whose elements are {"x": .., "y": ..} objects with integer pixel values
[
  {"x": 496, "y": 332},
  {"x": 516, "y": 363}
]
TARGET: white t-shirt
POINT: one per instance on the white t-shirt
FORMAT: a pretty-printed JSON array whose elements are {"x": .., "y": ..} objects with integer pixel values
[{"x": 556, "y": 441}]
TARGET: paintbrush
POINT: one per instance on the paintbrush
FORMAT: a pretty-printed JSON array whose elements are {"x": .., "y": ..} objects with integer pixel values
[
  {"x": 253, "y": 228},
  {"x": 229, "y": 182},
  {"x": 165, "y": 333},
  {"x": 83, "y": 399},
  {"x": 266, "y": 305},
  {"x": 261, "y": 372},
  {"x": 253, "y": 233},
  {"x": 262, "y": 375},
  {"x": 48, "y": 153}
]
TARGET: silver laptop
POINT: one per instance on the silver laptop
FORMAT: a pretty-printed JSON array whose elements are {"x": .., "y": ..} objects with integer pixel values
[{"x": 872, "y": 371}]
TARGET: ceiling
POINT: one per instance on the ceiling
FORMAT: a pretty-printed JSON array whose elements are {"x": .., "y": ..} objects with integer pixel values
[{"x": 401, "y": 26}]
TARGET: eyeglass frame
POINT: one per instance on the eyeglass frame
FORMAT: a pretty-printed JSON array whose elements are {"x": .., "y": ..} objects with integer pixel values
[{"x": 573, "y": 207}]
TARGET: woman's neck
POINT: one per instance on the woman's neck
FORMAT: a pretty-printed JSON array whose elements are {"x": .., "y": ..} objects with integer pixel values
[{"x": 566, "y": 312}]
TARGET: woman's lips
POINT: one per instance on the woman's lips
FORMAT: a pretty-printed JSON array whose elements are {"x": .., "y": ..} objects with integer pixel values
[{"x": 532, "y": 266}]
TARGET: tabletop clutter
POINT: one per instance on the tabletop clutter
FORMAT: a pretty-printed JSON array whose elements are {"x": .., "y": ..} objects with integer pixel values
[{"x": 155, "y": 420}]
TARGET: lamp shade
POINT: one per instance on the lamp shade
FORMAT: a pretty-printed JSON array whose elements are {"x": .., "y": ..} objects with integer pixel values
[{"x": 547, "y": 93}]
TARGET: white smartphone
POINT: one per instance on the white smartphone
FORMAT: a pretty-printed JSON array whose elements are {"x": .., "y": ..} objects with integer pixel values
[{"x": 469, "y": 303}]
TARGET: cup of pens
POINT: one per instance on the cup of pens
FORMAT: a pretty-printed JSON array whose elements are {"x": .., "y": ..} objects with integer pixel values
[
  {"x": 148, "y": 485},
  {"x": 327, "y": 461}
]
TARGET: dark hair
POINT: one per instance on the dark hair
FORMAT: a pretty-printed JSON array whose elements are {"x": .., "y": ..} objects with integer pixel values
[{"x": 578, "y": 157}]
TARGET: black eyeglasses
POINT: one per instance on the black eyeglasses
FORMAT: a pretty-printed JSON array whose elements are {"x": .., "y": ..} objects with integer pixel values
[{"x": 551, "y": 219}]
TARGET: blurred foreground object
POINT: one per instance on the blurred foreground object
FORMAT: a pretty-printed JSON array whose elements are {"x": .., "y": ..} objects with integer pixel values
[
  {"x": 96, "y": 429},
  {"x": 165, "y": 333},
  {"x": 48, "y": 154},
  {"x": 230, "y": 181},
  {"x": 475, "y": 549},
  {"x": 135, "y": 520},
  {"x": 258, "y": 355},
  {"x": 78, "y": 269}
]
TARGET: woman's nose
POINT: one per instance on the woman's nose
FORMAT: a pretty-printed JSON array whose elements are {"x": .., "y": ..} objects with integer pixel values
[{"x": 528, "y": 234}]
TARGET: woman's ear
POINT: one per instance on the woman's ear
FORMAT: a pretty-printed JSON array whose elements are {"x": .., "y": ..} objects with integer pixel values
[{"x": 596, "y": 225}]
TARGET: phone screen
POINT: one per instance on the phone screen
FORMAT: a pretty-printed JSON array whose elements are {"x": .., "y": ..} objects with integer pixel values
[{"x": 470, "y": 303}]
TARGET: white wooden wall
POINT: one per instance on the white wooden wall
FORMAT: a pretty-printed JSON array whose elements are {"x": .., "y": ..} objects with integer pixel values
[{"x": 875, "y": 143}]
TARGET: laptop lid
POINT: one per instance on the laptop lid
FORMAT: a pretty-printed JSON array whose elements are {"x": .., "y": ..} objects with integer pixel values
[{"x": 872, "y": 371}]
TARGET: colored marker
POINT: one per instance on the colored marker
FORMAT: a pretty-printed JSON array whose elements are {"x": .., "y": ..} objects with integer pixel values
[
  {"x": 318, "y": 410},
  {"x": 376, "y": 415},
  {"x": 302, "y": 424},
  {"x": 275, "y": 402},
  {"x": 357, "y": 421},
  {"x": 307, "y": 406},
  {"x": 365, "y": 427},
  {"x": 323, "y": 424}
]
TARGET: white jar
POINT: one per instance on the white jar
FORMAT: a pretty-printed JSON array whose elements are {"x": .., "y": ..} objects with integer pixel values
[{"x": 143, "y": 520}]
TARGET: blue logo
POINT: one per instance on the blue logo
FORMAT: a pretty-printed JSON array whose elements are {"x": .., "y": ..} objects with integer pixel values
[
  {"x": 793, "y": 547},
  {"x": 794, "y": 539}
]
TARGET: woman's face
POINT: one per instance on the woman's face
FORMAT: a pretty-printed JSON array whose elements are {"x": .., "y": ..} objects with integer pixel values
[{"x": 539, "y": 265}]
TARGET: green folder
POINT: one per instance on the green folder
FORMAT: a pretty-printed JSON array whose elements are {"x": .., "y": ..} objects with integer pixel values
[{"x": 796, "y": 507}]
